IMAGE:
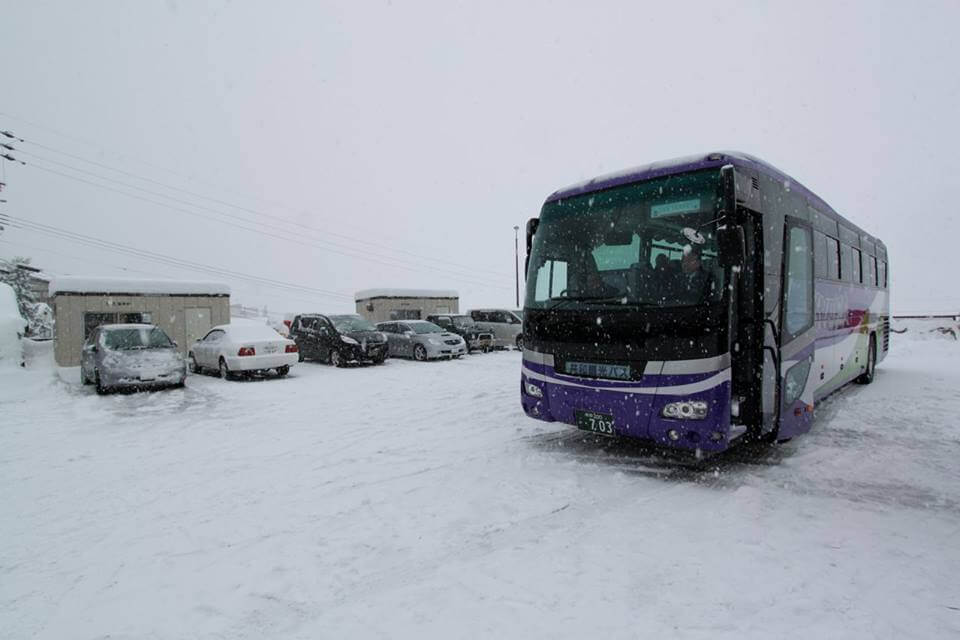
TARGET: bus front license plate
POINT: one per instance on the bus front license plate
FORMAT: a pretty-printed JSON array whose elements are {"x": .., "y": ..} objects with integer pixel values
[{"x": 595, "y": 422}]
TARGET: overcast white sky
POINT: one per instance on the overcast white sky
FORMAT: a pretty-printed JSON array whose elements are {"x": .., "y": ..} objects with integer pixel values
[{"x": 427, "y": 130}]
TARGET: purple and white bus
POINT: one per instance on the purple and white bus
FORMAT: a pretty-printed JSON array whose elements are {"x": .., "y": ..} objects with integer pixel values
[{"x": 697, "y": 303}]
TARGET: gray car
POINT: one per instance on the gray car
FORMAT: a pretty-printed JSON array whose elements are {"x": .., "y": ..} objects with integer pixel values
[
  {"x": 137, "y": 356},
  {"x": 421, "y": 340},
  {"x": 507, "y": 328}
]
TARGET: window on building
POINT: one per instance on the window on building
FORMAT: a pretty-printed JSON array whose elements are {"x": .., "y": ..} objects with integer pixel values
[
  {"x": 92, "y": 320},
  {"x": 405, "y": 314}
]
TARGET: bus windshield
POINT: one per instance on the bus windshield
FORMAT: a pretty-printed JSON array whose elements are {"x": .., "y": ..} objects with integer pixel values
[{"x": 648, "y": 244}]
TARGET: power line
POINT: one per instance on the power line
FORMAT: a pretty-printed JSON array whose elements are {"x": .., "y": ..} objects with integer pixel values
[
  {"x": 129, "y": 269},
  {"x": 72, "y": 236},
  {"x": 232, "y": 205},
  {"x": 295, "y": 240},
  {"x": 366, "y": 256}
]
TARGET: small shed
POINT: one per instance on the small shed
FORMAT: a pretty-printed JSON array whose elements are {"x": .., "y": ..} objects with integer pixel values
[
  {"x": 382, "y": 305},
  {"x": 185, "y": 310}
]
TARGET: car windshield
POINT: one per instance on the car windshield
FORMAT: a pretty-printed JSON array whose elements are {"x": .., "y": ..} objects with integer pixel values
[
  {"x": 349, "y": 324},
  {"x": 425, "y": 327},
  {"x": 253, "y": 332},
  {"x": 463, "y": 321},
  {"x": 645, "y": 244},
  {"x": 136, "y": 338}
]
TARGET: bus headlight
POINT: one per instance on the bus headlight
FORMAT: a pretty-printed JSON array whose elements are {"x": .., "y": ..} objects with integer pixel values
[
  {"x": 533, "y": 390},
  {"x": 686, "y": 410}
]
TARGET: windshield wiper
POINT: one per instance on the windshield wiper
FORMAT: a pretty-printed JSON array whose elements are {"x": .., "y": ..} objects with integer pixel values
[{"x": 558, "y": 301}]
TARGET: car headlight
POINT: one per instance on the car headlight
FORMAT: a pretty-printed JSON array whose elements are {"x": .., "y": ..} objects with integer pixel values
[
  {"x": 348, "y": 340},
  {"x": 685, "y": 410}
]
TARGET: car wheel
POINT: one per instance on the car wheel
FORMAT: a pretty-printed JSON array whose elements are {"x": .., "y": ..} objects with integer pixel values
[
  {"x": 83, "y": 377},
  {"x": 192, "y": 364},
  {"x": 102, "y": 390},
  {"x": 867, "y": 376},
  {"x": 225, "y": 370},
  {"x": 335, "y": 358},
  {"x": 284, "y": 370},
  {"x": 420, "y": 352},
  {"x": 520, "y": 342}
]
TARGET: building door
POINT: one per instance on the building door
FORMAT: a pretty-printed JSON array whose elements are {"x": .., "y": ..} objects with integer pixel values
[{"x": 197, "y": 322}]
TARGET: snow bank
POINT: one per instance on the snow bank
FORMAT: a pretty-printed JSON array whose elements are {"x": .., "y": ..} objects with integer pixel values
[
  {"x": 12, "y": 327},
  {"x": 366, "y": 294},
  {"x": 117, "y": 286}
]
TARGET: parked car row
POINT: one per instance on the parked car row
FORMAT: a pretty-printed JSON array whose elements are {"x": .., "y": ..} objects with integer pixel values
[{"x": 143, "y": 356}]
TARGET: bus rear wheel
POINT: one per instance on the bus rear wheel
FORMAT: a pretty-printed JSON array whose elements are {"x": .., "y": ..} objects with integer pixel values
[{"x": 867, "y": 376}]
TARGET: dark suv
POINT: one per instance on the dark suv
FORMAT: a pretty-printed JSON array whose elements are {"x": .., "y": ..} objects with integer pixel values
[
  {"x": 466, "y": 328},
  {"x": 338, "y": 339}
]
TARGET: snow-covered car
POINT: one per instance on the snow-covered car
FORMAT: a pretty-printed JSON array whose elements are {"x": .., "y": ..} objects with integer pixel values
[
  {"x": 131, "y": 356},
  {"x": 338, "y": 339},
  {"x": 247, "y": 348},
  {"x": 12, "y": 326},
  {"x": 422, "y": 340}
]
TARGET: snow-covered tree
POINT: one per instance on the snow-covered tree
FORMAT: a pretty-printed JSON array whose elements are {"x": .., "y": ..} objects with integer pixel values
[{"x": 37, "y": 315}]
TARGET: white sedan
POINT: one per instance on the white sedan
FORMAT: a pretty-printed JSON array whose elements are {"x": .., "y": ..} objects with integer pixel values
[{"x": 231, "y": 349}]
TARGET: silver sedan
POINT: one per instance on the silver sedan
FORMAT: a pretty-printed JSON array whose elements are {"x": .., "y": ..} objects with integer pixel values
[
  {"x": 137, "y": 356},
  {"x": 421, "y": 340}
]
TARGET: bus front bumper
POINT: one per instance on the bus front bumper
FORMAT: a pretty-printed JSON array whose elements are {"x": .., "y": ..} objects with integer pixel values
[{"x": 635, "y": 408}]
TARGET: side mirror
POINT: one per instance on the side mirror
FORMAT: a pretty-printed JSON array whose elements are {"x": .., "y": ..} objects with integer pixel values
[
  {"x": 409, "y": 334},
  {"x": 174, "y": 343},
  {"x": 532, "y": 225},
  {"x": 730, "y": 247}
]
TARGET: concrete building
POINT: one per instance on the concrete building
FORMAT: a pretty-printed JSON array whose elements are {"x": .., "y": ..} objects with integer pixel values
[
  {"x": 382, "y": 305},
  {"x": 184, "y": 310}
]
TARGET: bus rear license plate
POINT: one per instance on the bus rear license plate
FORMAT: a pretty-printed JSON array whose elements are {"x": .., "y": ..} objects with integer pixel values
[{"x": 594, "y": 422}]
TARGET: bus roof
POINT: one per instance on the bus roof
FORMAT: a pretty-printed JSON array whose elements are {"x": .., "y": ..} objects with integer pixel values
[{"x": 715, "y": 159}]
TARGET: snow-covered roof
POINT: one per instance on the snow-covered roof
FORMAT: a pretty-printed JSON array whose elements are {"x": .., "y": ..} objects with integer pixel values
[
  {"x": 136, "y": 286},
  {"x": 366, "y": 294}
]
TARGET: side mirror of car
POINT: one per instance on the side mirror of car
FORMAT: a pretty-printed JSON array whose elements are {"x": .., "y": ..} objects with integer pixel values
[
  {"x": 409, "y": 334},
  {"x": 174, "y": 343}
]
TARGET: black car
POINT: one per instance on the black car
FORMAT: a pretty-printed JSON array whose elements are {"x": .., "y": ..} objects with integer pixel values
[
  {"x": 466, "y": 327},
  {"x": 338, "y": 339}
]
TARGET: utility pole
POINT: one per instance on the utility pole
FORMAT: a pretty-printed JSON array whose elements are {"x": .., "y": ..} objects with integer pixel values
[
  {"x": 516, "y": 263},
  {"x": 5, "y": 149}
]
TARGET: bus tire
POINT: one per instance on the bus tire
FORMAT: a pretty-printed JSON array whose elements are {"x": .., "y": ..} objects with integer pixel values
[{"x": 867, "y": 376}]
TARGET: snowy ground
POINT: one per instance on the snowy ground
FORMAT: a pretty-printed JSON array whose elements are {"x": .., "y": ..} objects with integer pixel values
[{"x": 416, "y": 500}]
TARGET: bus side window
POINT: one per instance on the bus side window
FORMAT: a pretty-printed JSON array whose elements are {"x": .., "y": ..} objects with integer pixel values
[
  {"x": 845, "y": 259},
  {"x": 873, "y": 265},
  {"x": 833, "y": 258},
  {"x": 882, "y": 282},
  {"x": 798, "y": 297},
  {"x": 856, "y": 266},
  {"x": 820, "y": 253}
]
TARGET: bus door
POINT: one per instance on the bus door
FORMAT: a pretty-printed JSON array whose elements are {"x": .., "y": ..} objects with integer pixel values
[{"x": 797, "y": 332}]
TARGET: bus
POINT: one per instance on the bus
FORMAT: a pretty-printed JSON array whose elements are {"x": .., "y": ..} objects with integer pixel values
[{"x": 697, "y": 303}]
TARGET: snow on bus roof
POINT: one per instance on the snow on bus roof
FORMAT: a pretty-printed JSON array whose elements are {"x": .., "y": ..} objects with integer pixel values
[
  {"x": 137, "y": 286},
  {"x": 366, "y": 294}
]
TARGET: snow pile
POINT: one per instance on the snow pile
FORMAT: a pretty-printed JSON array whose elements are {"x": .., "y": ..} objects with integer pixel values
[
  {"x": 12, "y": 327},
  {"x": 367, "y": 294},
  {"x": 137, "y": 286}
]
